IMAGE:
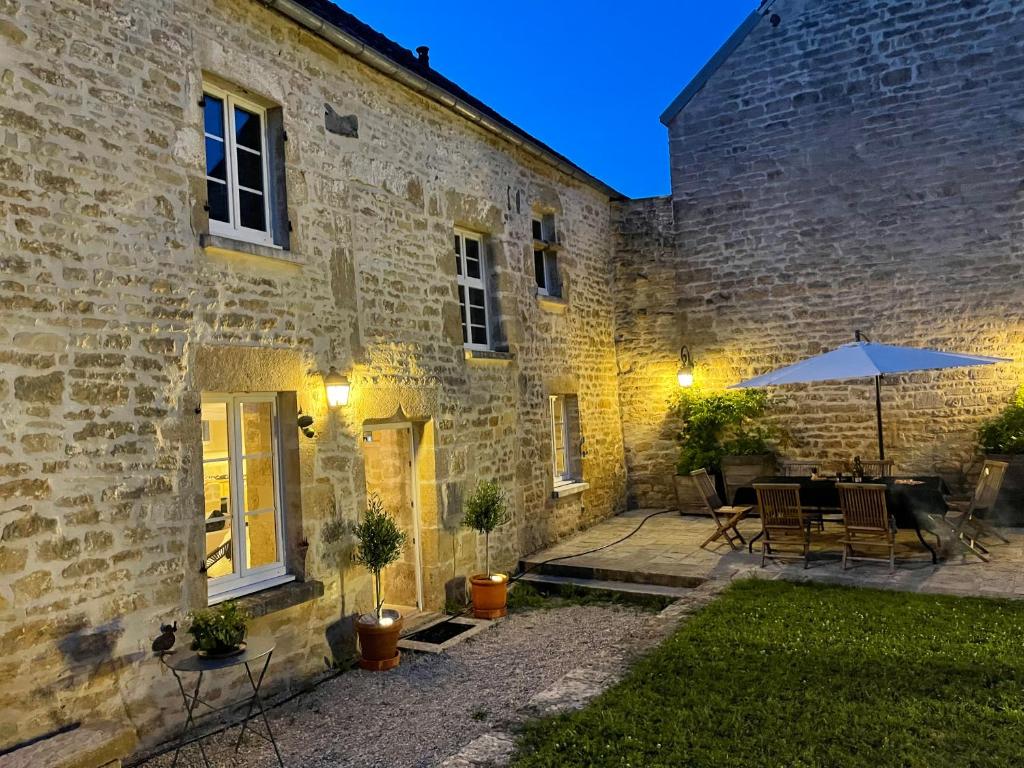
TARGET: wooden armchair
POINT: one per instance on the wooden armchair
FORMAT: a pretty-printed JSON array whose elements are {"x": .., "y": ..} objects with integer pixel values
[
  {"x": 874, "y": 467},
  {"x": 972, "y": 524},
  {"x": 726, "y": 518},
  {"x": 799, "y": 468},
  {"x": 867, "y": 522},
  {"x": 784, "y": 524}
]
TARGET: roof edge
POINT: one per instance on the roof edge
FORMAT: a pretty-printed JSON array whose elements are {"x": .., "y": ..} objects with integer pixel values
[
  {"x": 378, "y": 60},
  {"x": 717, "y": 60}
]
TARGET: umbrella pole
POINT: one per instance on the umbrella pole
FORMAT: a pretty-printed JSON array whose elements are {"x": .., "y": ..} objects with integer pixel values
[{"x": 878, "y": 413}]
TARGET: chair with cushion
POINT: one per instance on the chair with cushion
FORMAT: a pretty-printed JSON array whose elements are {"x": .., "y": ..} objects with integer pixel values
[
  {"x": 726, "y": 518},
  {"x": 784, "y": 524},
  {"x": 972, "y": 524},
  {"x": 867, "y": 522}
]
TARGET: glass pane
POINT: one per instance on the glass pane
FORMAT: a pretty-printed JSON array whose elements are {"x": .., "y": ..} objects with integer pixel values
[
  {"x": 215, "y": 164},
  {"x": 247, "y": 129},
  {"x": 458, "y": 255},
  {"x": 213, "y": 115},
  {"x": 258, "y": 478},
  {"x": 216, "y": 491},
  {"x": 216, "y": 511},
  {"x": 462, "y": 311},
  {"x": 250, "y": 169},
  {"x": 251, "y": 212},
  {"x": 472, "y": 258},
  {"x": 217, "y": 199},
  {"x": 257, "y": 427},
  {"x": 476, "y": 297},
  {"x": 538, "y": 269},
  {"x": 538, "y": 230},
  {"x": 558, "y": 435},
  {"x": 261, "y": 539},
  {"x": 215, "y": 430},
  {"x": 479, "y": 335},
  {"x": 219, "y": 560},
  {"x": 477, "y": 316}
]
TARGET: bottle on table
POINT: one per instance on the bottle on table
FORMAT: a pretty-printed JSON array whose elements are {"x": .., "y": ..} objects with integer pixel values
[{"x": 858, "y": 470}]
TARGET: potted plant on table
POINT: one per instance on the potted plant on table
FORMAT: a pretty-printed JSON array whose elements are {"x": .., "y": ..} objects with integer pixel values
[
  {"x": 219, "y": 632},
  {"x": 380, "y": 544},
  {"x": 718, "y": 434},
  {"x": 1002, "y": 439},
  {"x": 485, "y": 510}
]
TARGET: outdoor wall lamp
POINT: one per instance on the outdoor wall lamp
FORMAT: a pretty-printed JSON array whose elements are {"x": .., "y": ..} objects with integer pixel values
[
  {"x": 685, "y": 375},
  {"x": 338, "y": 388}
]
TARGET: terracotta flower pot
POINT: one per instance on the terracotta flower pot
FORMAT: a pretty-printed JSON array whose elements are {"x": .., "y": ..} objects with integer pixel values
[
  {"x": 378, "y": 642},
  {"x": 489, "y": 595}
]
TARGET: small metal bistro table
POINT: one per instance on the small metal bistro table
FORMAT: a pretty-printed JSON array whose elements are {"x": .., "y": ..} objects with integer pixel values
[{"x": 256, "y": 649}]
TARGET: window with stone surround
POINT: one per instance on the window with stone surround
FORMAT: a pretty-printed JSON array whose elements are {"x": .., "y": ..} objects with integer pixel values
[
  {"x": 470, "y": 270},
  {"x": 242, "y": 495},
  {"x": 545, "y": 256},
  {"x": 566, "y": 440},
  {"x": 244, "y": 168}
]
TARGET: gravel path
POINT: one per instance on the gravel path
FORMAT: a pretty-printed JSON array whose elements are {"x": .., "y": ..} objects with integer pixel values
[{"x": 428, "y": 708}]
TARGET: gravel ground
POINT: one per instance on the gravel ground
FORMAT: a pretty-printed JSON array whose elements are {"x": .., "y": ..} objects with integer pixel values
[{"x": 432, "y": 705}]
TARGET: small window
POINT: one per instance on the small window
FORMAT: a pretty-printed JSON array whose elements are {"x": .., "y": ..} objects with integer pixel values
[
  {"x": 470, "y": 272},
  {"x": 545, "y": 258},
  {"x": 242, "y": 499},
  {"x": 238, "y": 167},
  {"x": 566, "y": 439}
]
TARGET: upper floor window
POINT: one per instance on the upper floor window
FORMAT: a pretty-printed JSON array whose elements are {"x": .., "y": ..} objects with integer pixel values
[
  {"x": 545, "y": 256},
  {"x": 244, "y": 534},
  {"x": 470, "y": 272},
  {"x": 566, "y": 439},
  {"x": 240, "y": 168}
]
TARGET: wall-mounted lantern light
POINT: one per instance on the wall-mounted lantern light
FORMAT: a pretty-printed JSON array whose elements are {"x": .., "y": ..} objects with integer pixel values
[
  {"x": 338, "y": 388},
  {"x": 685, "y": 375}
]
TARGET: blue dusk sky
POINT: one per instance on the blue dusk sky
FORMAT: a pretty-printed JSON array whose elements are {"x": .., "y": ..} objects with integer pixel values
[{"x": 587, "y": 77}]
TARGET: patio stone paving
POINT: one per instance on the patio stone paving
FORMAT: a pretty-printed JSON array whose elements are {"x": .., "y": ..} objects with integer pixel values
[{"x": 667, "y": 549}]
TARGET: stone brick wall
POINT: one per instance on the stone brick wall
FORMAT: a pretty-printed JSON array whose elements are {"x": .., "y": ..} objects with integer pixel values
[
  {"x": 857, "y": 166},
  {"x": 114, "y": 321}
]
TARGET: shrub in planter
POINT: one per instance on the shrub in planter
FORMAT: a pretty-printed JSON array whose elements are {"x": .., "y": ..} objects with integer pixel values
[
  {"x": 485, "y": 510},
  {"x": 218, "y": 631},
  {"x": 380, "y": 544},
  {"x": 1002, "y": 438}
]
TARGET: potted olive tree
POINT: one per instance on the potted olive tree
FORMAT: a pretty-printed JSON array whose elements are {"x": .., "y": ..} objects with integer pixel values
[
  {"x": 219, "y": 631},
  {"x": 380, "y": 544},
  {"x": 1002, "y": 439},
  {"x": 718, "y": 434},
  {"x": 485, "y": 510}
]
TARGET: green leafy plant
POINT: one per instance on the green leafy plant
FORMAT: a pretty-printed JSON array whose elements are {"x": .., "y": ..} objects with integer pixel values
[
  {"x": 380, "y": 544},
  {"x": 1005, "y": 432},
  {"x": 485, "y": 510},
  {"x": 717, "y": 424},
  {"x": 218, "y": 629}
]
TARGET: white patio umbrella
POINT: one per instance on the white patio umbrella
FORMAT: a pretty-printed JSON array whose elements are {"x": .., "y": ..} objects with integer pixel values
[{"x": 866, "y": 359}]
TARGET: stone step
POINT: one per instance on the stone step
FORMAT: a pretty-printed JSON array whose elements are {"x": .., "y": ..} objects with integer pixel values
[
  {"x": 598, "y": 573},
  {"x": 101, "y": 744},
  {"x": 604, "y": 585}
]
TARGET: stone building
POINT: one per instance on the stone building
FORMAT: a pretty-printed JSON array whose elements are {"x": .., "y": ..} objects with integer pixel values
[
  {"x": 836, "y": 166},
  {"x": 207, "y": 207}
]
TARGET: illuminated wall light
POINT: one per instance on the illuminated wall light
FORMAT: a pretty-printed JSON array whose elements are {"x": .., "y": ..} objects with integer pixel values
[
  {"x": 685, "y": 375},
  {"x": 338, "y": 388}
]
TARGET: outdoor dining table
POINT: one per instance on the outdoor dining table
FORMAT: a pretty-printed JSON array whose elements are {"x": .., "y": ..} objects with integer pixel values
[{"x": 912, "y": 501}]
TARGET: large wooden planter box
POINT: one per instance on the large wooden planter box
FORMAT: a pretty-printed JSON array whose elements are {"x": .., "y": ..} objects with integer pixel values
[
  {"x": 740, "y": 471},
  {"x": 688, "y": 498},
  {"x": 1009, "y": 508}
]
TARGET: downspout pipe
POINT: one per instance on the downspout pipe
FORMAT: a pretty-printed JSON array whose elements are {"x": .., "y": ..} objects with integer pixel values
[{"x": 359, "y": 50}]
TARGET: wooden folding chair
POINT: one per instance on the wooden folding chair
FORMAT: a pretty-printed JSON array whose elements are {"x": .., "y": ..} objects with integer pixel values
[
  {"x": 972, "y": 524},
  {"x": 876, "y": 467},
  {"x": 867, "y": 522},
  {"x": 799, "y": 468},
  {"x": 726, "y": 518},
  {"x": 784, "y": 524}
]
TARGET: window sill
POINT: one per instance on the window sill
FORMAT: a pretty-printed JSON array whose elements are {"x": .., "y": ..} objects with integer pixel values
[
  {"x": 487, "y": 357},
  {"x": 554, "y": 304},
  {"x": 279, "y": 597},
  {"x": 547, "y": 245},
  {"x": 564, "y": 490},
  {"x": 218, "y": 245}
]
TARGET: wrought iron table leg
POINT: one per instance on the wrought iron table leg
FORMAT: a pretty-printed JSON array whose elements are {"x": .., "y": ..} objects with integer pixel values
[
  {"x": 190, "y": 706},
  {"x": 925, "y": 544},
  {"x": 256, "y": 701}
]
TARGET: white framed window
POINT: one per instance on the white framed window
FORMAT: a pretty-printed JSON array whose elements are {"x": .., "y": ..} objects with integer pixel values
[
  {"x": 566, "y": 439},
  {"x": 470, "y": 273},
  {"x": 545, "y": 259},
  {"x": 237, "y": 167},
  {"x": 242, "y": 499}
]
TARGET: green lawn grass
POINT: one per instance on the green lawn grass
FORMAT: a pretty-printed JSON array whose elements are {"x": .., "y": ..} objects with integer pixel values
[{"x": 778, "y": 674}]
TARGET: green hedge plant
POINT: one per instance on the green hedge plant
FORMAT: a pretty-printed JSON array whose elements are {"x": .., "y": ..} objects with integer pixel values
[
  {"x": 1005, "y": 432},
  {"x": 381, "y": 542},
  {"x": 218, "y": 629},
  {"x": 485, "y": 510},
  {"x": 717, "y": 424}
]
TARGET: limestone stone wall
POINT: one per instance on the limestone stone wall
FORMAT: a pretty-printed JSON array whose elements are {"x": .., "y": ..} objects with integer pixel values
[
  {"x": 857, "y": 166},
  {"x": 113, "y": 321}
]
